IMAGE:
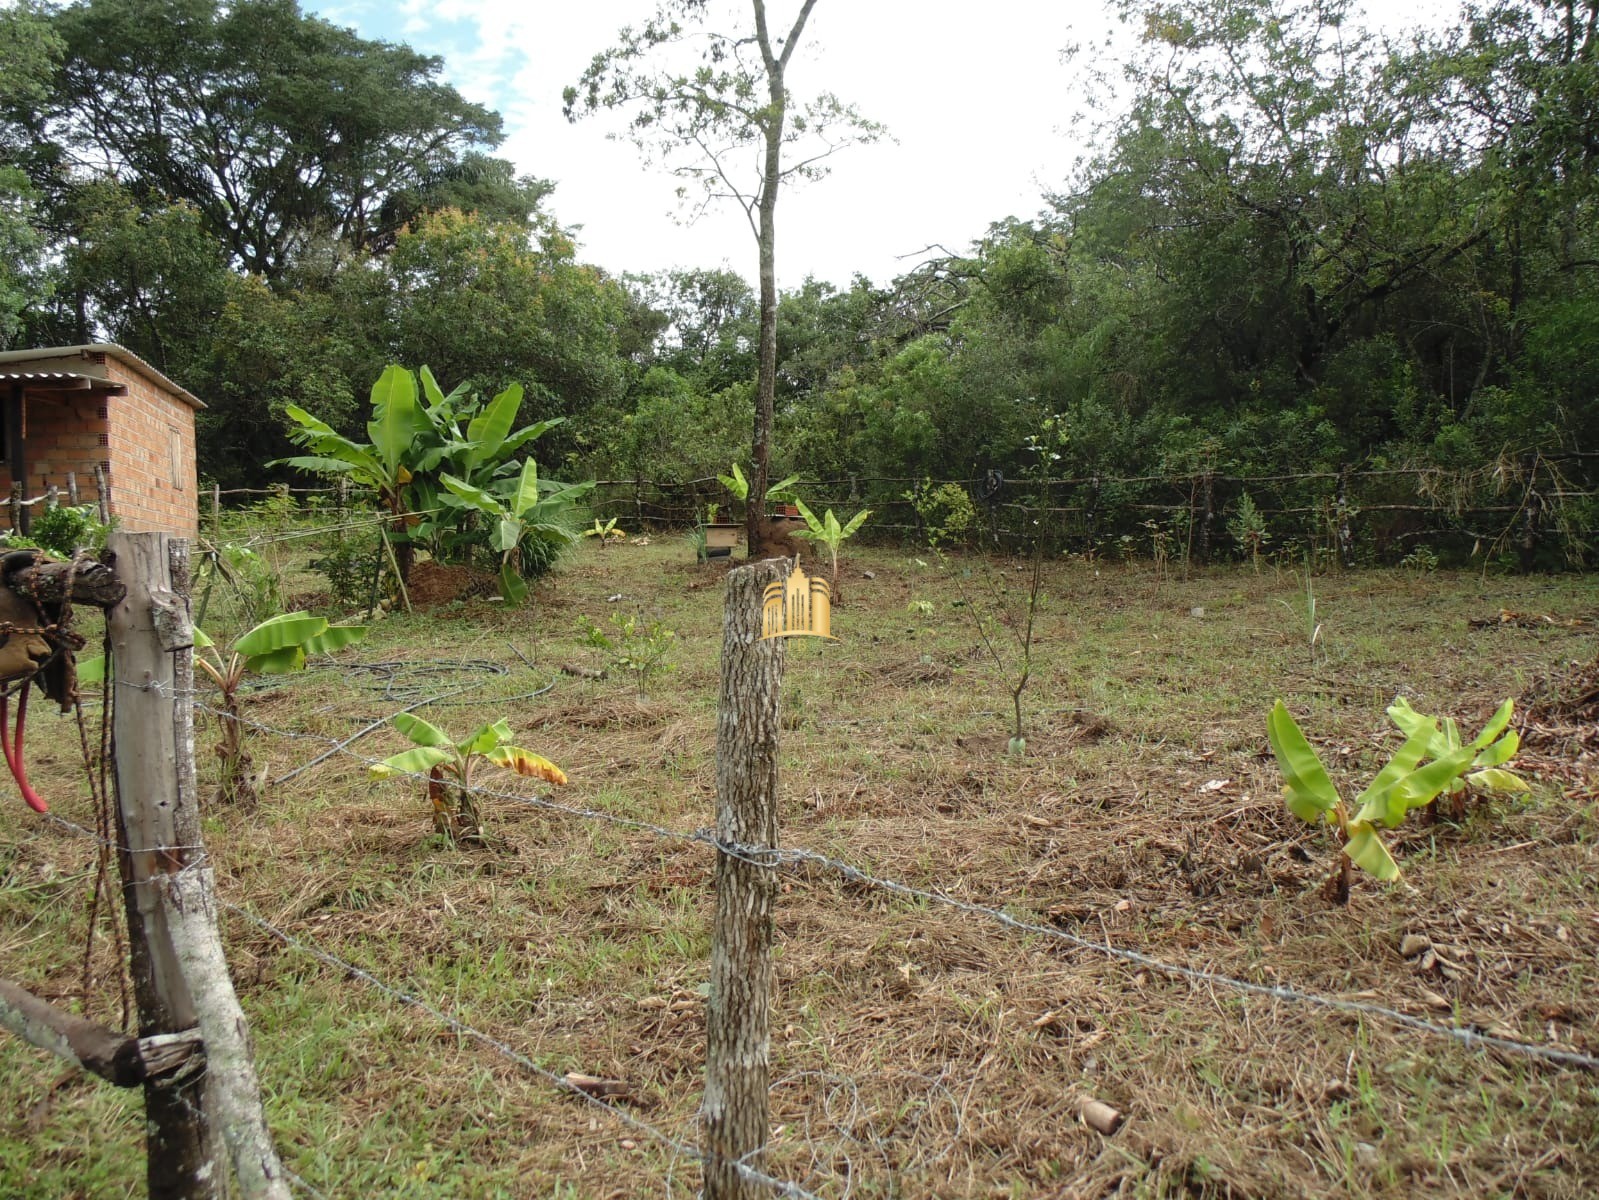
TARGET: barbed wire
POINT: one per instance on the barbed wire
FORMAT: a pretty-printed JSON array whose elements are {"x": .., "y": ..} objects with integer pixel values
[
  {"x": 773, "y": 857},
  {"x": 781, "y": 1187}
]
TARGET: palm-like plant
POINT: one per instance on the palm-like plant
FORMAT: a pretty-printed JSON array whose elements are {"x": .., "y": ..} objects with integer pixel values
[
  {"x": 534, "y": 511},
  {"x": 386, "y": 464},
  {"x": 829, "y": 532},
  {"x": 450, "y": 765}
]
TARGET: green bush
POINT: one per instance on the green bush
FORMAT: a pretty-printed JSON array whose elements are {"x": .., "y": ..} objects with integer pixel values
[
  {"x": 63, "y": 530},
  {"x": 349, "y": 565}
]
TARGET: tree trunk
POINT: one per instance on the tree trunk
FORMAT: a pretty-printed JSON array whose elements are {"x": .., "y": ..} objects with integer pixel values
[
  {"x": 776, "y": 65},
  {"x": 766, "y": 361},
  {"x": 738, "y": 1038}
]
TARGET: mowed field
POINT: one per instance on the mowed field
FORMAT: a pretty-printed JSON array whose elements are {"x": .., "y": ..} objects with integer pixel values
[{"x": 919, "y": 1049}]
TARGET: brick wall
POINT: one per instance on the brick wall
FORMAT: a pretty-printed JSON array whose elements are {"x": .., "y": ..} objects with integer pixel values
[
  {"x": 64, "y": 434},
  {"x": 151, "y": 434}
]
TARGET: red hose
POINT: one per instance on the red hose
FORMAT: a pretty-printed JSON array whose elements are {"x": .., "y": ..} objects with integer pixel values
[{"x": 13, "y": 753}]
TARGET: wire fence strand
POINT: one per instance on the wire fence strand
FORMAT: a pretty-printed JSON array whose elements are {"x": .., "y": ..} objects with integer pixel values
[{"x": 773, "y": 858}]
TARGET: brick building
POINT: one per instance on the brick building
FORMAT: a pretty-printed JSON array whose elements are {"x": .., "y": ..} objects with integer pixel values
[{"x": 83, "y": 409}]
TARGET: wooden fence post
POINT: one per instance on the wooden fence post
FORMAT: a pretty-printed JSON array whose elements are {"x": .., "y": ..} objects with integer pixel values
[
  {"x": 16, "y": 508},
  {"x": 72, "y": 488},
  {"x": 1346, "y": 530},
  {"x": 180, "y": 976},
  {"x": 102, "y": 491},
  {"x": 738, "y": 1020},
  {"x": 1531, "y": 518},
  {"x": 1207, "y": 515}
]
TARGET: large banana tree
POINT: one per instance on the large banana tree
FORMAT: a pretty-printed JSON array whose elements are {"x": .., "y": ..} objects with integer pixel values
[
  {"x": 415, "y": 441},
  {"x": 387, "y": 463}
]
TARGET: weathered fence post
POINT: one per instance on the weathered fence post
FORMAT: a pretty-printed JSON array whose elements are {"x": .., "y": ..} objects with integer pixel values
[
  {"x": 738, "y": 1035},
  {"x": 1346, "y": 530},
  {"x": 16, "y": 508},
  {"x": 72, "y": 488},
  {"x": 1531, "y": 519},
  {"x": 180, "y": 976},
  {"x": 102, "y": 491},
  {"x": 1207, "y": 515}
]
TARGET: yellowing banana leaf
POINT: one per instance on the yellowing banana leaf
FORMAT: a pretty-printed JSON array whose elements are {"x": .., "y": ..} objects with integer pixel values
[
  {"x": 417, "y": 761},
  {"x": 423, "y": 733},
  {"x": 1366, "y": 851},
  {"x": 1310, "y": 794},
  {"x": 525, "y": 762},
  {"x": 1496, "y": 780}
]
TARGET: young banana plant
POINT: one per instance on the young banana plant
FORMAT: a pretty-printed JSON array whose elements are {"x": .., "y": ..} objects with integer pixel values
[
  {"x": 449, "y": 766},
  {"x": 279, "y": 645},
  {"x": 829, "y": 532},
  {"x": 1405, "y": 783}
]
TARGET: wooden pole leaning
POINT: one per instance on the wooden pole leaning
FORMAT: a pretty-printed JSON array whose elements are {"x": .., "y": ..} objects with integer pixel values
[{"x": 738, "y": 1018}]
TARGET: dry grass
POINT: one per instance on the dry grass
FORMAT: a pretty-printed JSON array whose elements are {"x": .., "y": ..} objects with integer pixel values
[{"x": 917, "y": 1051}]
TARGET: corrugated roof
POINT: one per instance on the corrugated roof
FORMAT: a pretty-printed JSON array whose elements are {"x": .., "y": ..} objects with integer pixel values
[
  {"x": 111, "y": 350},
  {"x": 49, "y": 377}
]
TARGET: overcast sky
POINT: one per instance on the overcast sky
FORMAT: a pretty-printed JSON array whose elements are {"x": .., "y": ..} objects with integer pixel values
[{"x": 975, "y": 94}]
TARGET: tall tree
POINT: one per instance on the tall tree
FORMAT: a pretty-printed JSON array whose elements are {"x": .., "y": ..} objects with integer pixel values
[
  {"x": 29, "y": 51},
  {"x": 275, "y": 126},
  {"x": 725, "y": 121}
]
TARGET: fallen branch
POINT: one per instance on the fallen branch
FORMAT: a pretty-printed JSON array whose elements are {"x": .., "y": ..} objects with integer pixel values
[
  {"x": 45, "y": 581},
  {"x": 115, "y": 1057}
]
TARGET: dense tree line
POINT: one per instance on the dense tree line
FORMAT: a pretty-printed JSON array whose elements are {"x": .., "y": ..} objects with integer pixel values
[{"x": 1295, "y": 246}]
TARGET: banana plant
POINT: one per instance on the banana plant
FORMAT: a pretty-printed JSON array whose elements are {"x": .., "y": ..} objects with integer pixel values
[
  {"x": 1486, "y": 770},
  {"x": 740, "y": 487},
  {"x": 479, "y": 454},
  {"x": 829, "y": 532},
  {"x": 450, "y": 765},
  {"x": 606, "y": 531},
  {"x": 279, "y": 645},
  {"x": 387, "y": 463},
  {"x": 534, "y": 511},
  {"x": 1406, "y": 782}
]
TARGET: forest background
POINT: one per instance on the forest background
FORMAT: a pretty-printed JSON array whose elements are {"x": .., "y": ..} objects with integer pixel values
[{"x": 1295, "y": 247}]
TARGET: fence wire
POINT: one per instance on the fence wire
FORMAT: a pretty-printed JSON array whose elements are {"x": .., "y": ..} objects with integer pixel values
[
  {"x": 775, "y": 857},
  {"x": 779, "y": 1187}
]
